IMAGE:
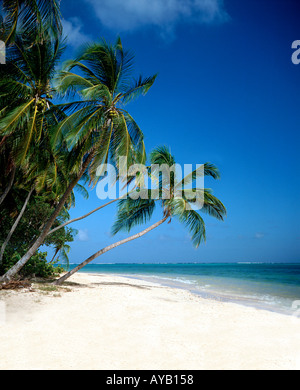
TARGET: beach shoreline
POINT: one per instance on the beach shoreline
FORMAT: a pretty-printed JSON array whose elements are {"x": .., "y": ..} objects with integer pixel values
[
  {"x": 109, "y": 322},
  {"x": 215, "y": 295},
  {"x": 272, "y": 287}
]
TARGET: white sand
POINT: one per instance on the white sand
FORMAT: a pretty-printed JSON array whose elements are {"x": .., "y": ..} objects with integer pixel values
[{"x": 109, "y": 322}]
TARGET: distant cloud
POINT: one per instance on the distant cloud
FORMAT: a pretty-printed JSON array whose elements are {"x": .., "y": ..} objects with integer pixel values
[
  {"x": 164, "y": 237},
  {"x": 259, "y": 236},
  {"x": 129, "y": 15},
  {"x": 73, "y": 31},
  {"x": 83, "y": 235}
]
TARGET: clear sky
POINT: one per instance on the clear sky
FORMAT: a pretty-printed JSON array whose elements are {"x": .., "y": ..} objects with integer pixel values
[{"x": 227, "y": 93}]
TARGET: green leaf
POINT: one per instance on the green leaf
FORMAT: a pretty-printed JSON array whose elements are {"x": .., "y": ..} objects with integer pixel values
[
  {"x": 15, "y": 118},
  {"x": 132, "y": 213}
]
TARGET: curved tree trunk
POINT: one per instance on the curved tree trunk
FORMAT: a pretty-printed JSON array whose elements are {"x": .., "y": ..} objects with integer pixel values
[
  {"x": 40, "y": 240},
  {"x": 10, "y": 184},
  {"x": 15, "y": 225},
  {"x": 80, "y": 218},
  {"x": 56, "y": 252},
  {"x": 106, "y": 249}
]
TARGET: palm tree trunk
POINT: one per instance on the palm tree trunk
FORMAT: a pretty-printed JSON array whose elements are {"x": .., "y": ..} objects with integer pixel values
[
  {"x": 10, "y": 184},
  {"x": 15, "y": 225},
  {"x": 20, "y": 264},
  {"x": 108, "y": 248},
  {"x": 56, "y": 252},
  {"x": 83, "y": 217}
]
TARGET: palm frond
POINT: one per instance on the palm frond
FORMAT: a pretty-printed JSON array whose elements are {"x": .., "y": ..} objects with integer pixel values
[
  {"x": 82, "y": 190},
  {"x": 195, "y": 223},
  {"x": 97, "y": 92},
  {"x": 161, "y": 155},
  {"x": 71, "y": 83},
  {"x": 132, "y": 213},
  {"x": 31, "y": 16},
  {"x": 202, "y": 199},
  {"x": 12, "y": 120},
  {"x": 213, "y": 206},
  {"x": 206, "y": 169},
  {"x": 63, "y": 254},
  {"x": 31, "y": 130},
  {"x": 140, "y": 87},
  {"x": 135, "y": 132}
]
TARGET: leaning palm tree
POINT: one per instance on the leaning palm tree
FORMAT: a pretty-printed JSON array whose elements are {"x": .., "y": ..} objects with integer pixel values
[
  {"x": 97, "y": 129},
  {"x": 179, "y": 204},
  {"x": 61, "y": 248},
  {"x": 63, "y": 252}
]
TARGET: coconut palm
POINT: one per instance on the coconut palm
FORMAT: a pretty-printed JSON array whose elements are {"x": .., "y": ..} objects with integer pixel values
[
  {"x": 25, "y": 102},
  {"x": 63, "y": 252},
  {"x": 26, "y": 122},
  {"x": 37, "y": 21},
  {"x": 101, "y": 77},
  {"x": 26, "y": 92},
  {"x": 25, "y": 86},
  {"x": 97, "y": 129},
  {"x": 180, "y": 204},
  {"x": 61, "y": 248}
]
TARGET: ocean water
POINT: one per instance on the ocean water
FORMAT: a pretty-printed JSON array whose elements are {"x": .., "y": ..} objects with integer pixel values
[{"x": 274, "y": 287}]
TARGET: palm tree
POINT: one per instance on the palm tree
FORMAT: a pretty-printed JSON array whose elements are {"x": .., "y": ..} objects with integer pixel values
[
  {"x": 97, "y": 129},
  {"x": 101, "y": 78},
  {"x": 25, "y": 85},
  {"x": 61, "y": 248},
  {"x": 25, "y": 100},
  {"x": 63, "y": 252},
  {"x": 28, "y": 15},
  {"x": 179, "y": 204},
  {"x": 26, "y": 120}
]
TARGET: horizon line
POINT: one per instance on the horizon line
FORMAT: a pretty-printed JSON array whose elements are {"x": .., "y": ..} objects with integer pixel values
[{"x": 193, "y": 263}]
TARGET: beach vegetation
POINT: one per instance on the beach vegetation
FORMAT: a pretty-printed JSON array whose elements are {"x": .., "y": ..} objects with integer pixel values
[
  {"x": 49, "y": 149},
  {"x": 58, "y": 125},
  {"x": 37, "y": 266}
]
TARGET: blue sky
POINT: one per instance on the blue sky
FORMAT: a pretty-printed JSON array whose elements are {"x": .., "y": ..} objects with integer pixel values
[{"x": 227, "y": 93}]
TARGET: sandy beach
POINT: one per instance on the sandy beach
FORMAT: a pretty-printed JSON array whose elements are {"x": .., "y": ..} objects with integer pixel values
[{"x": 110, "y": 322}]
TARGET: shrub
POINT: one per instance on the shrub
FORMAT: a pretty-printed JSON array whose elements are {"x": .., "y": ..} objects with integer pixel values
[{"x": 37, "y": 266}]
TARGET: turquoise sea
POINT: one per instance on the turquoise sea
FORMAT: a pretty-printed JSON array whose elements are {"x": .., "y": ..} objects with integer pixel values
[{"x": 274, "y": 287}]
